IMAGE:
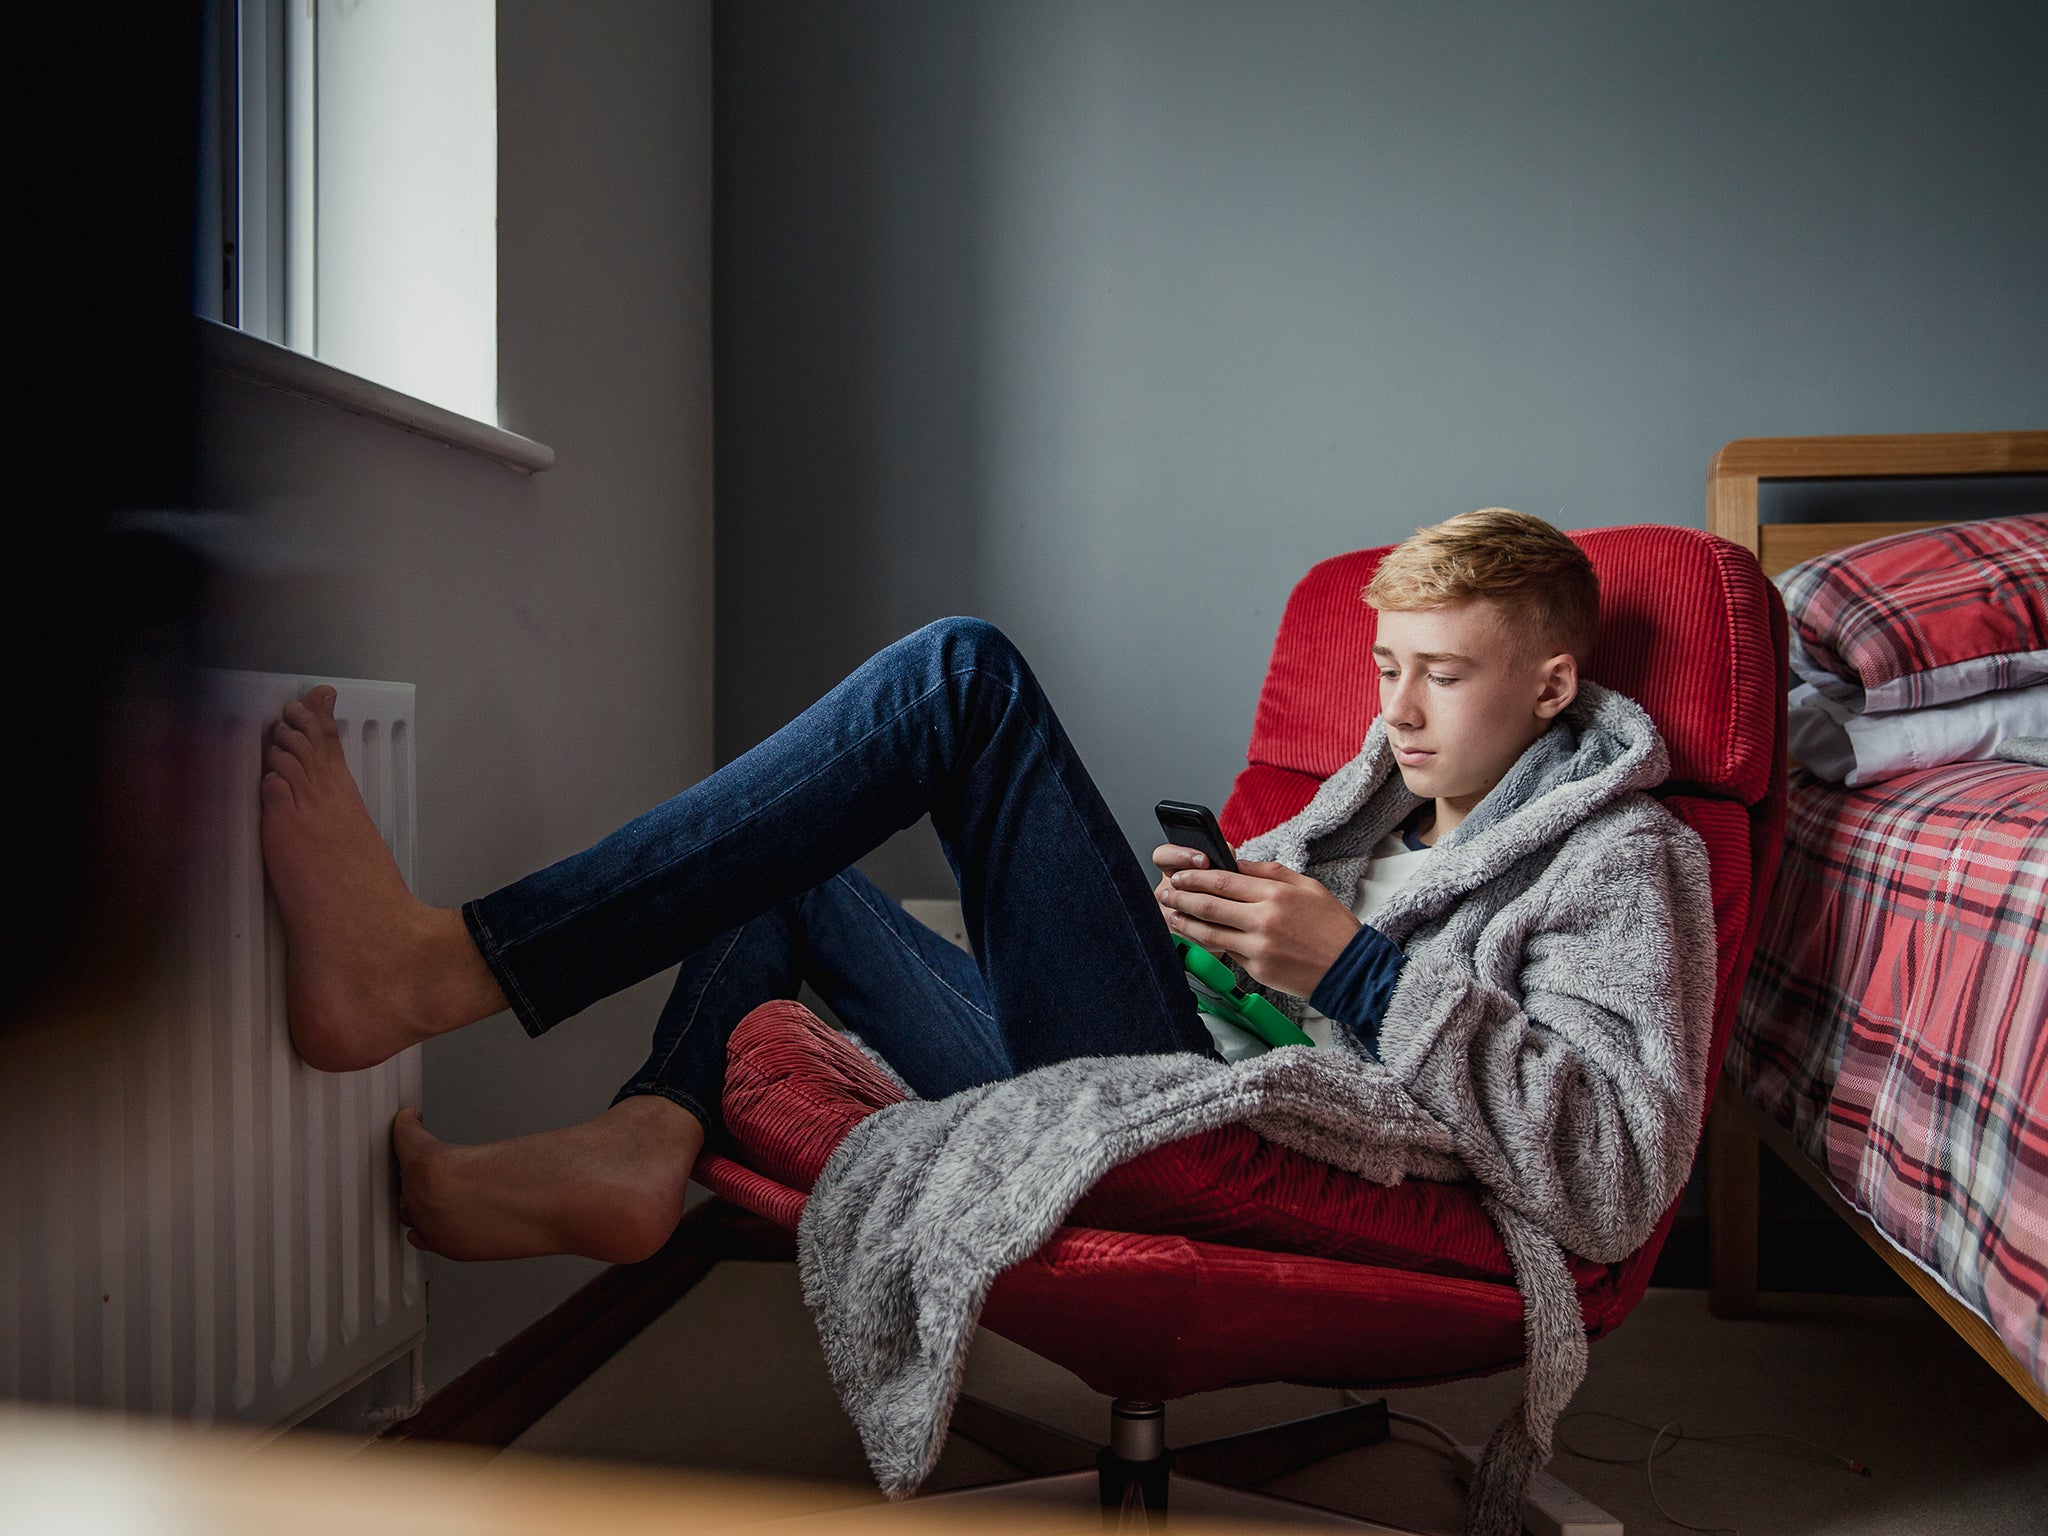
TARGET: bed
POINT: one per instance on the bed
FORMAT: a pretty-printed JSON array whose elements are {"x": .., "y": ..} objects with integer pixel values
[{"x": 1889, "y": 1044}]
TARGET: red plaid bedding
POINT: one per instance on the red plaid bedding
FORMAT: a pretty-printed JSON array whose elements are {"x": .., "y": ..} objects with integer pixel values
[{"x": 1893, "y": 1021}]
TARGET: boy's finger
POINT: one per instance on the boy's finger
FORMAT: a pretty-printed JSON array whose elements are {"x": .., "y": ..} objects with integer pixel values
[
  {"x": 1220, "y": 905},
  {"x": 1214, "y": 937},
  {"x": 1267, "y": 869},
  {"x": 1176, "y": 856},
  {"x": 1239, "y": 886}
]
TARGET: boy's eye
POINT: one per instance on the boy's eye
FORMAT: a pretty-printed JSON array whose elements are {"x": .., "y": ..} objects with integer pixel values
[{"x": 1435, "y": 679}]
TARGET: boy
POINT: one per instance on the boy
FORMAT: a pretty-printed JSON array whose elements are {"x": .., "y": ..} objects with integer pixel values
[
  {"x": 745, "y": 879},
  {"x": 1467, "y": 683}
]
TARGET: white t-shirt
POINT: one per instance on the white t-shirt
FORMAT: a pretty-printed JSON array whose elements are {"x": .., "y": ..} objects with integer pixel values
[{"x": 1393, "y": 865}]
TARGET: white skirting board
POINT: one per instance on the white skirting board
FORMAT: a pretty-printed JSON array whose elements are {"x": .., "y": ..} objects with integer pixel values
[{"x": 193, "y": 1222}]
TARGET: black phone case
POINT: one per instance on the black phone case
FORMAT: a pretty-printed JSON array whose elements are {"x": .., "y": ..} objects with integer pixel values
[{"x": 1194, "y": 826}]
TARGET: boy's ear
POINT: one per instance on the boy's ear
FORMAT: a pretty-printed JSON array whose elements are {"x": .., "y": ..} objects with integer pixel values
[{"x": 1560, "y": 685}]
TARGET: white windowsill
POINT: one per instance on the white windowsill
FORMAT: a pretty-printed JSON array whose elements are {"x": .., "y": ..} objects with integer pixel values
[{"x": 237, "y": 352}]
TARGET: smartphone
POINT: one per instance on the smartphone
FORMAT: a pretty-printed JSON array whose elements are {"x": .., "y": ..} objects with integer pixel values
[{"x": 1194, "y": 826}]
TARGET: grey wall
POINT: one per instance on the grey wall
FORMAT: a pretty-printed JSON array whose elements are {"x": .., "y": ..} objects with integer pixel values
[
  {"x": 559, "y": 627},
  {"x": 1106, "y": 319}
]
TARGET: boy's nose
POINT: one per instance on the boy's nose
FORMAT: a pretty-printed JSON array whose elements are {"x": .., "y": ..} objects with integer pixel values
[{"x": 1400, "y": 707}]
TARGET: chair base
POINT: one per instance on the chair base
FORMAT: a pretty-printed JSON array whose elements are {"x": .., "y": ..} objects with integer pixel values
[
  {"x": 1072, "y": 1502},
  {"x": 1136, "y": 1478}
]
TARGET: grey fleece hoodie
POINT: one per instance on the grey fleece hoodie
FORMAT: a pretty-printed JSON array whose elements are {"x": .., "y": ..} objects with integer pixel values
[{"x": 1541, "y": 1028}]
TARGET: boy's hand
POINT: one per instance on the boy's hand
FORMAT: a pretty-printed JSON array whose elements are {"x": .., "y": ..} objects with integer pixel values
[
  {"x": 1285, "y": 928},
  {"x": 1172, "y": 858}
]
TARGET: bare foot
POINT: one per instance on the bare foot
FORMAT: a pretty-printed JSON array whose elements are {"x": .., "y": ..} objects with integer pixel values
[
  {"x": 369, "y": 968},
  {"x": 611, "y": 1188}
]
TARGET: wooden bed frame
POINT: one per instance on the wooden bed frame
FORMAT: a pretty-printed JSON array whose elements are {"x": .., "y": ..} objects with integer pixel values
[{"x": 1735, "y": 1126}]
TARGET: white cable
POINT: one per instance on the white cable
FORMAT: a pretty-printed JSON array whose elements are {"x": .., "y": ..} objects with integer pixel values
[
  {"x": 1421, "y": 1423},
  {"x": 1416, "y": 1419},
  {"x": 1657, "y": 1448}
]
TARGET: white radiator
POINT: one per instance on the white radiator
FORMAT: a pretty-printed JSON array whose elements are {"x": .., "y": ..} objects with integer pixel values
[{"x": 193, "y": 1222}]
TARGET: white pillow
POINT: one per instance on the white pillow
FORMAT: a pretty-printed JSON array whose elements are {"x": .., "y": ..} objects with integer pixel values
[
  {"x": 1958, "y": 680},
  {"x": 1849, "y": 747}
]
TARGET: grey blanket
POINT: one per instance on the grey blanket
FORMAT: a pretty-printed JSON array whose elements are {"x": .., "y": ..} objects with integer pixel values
[{"x": 1547, "y": 1039}]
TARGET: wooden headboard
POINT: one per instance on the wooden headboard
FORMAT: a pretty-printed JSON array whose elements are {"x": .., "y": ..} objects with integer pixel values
[{"x": 1733, "y": 475}]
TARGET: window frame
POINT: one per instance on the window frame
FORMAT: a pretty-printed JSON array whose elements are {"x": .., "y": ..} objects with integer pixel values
[{"x": 255, "y": 293}]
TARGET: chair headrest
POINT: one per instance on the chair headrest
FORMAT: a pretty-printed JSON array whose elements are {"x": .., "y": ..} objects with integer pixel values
[{"x": 1685, "y": 631}]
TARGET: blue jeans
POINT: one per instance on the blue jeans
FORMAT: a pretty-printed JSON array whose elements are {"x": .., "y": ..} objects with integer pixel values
[{"x": 746, "y": 879}]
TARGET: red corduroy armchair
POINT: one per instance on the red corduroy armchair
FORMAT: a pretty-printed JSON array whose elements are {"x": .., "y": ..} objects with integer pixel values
[{"x": 1225, "y": 1260}]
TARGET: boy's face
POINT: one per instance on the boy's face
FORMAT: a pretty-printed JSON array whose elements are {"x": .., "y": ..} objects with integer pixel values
[{"x": 1453, "y": 686}]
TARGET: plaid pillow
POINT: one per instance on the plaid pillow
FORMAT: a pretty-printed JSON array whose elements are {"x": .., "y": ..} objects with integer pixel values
[{"x": 1924, "y": 617}]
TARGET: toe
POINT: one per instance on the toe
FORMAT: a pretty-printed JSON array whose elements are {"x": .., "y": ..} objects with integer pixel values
[
  {"x": 291, "y": 738},
  {"x": 277, "y": 792},
  {"x": 410, "y": 1137},
  {"x": 288, "y": 768}
]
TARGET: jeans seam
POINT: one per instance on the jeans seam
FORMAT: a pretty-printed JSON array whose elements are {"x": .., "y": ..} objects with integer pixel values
[
  {"x": 535, "y": 933},
  {"x": 487, "y": 943},
  {"x": 915, "y": 953},
  {"x": 697, "y": 1004}
]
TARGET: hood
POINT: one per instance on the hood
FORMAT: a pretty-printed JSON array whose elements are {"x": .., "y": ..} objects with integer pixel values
[{"x": 1601, "y": 747}]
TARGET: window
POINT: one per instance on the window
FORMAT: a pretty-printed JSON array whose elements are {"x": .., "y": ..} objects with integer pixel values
[{"x": 349, "y": 188}]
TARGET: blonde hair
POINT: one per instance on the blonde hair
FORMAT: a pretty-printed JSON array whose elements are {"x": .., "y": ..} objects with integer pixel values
[{"x": 1545, "y": 587}]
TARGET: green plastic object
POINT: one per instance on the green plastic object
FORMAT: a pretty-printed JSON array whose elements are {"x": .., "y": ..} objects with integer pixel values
[{"x": 1216, "y": 991}]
